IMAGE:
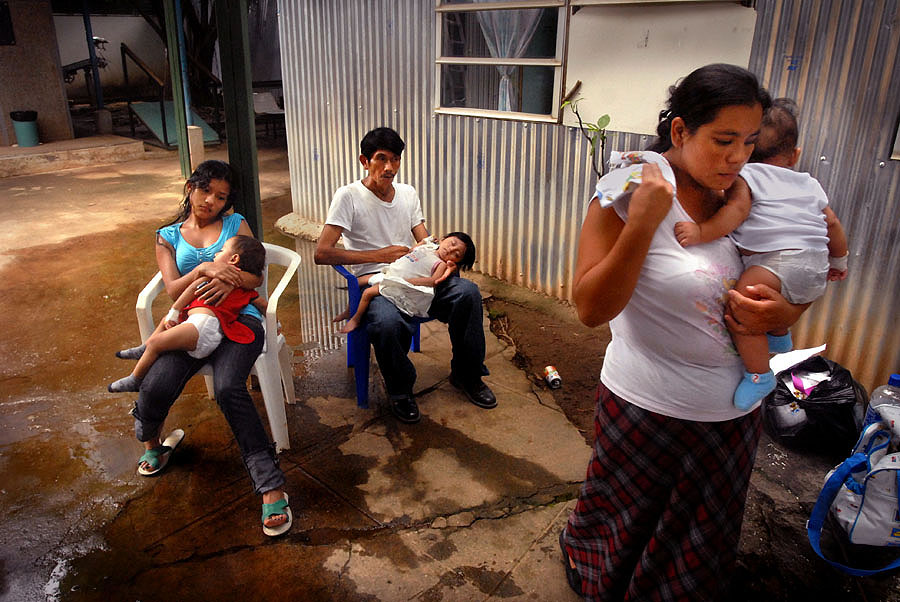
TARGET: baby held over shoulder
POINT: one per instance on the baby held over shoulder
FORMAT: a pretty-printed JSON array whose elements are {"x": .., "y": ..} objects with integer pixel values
[{"x": 771, "y": 209}]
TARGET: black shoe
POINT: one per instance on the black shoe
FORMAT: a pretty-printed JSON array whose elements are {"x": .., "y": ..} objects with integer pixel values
[
  {"x": 572, "y": 575},
  {"x": 405, "y": 409},
  {"x": 477, "y": 392}
]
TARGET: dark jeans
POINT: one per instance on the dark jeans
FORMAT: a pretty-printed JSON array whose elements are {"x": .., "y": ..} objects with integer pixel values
[
  {"x": 457, "y": 302},
  {"x": 231, "y": 363}
]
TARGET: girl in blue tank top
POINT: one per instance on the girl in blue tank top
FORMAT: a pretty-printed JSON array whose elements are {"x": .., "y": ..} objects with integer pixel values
[{"x": 184, "y": 253}]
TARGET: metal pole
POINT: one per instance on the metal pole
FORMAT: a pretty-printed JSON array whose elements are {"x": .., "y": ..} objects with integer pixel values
[
  {"x": 184, "y": 73},
  {"x": 237, "y": 92},
  {"x": 172, "y": 27},
  {"x": 98, "y": 92}
]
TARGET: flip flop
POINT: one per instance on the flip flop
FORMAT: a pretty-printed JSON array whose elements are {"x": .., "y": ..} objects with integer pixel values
[
  {"x": 158, "y": 457},
  {"x": 279, "y": 507},
  {"x": 572, "y": 575}
]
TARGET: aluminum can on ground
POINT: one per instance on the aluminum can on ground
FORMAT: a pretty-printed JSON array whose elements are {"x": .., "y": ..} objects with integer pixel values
[{"x": 552, "y": 377}]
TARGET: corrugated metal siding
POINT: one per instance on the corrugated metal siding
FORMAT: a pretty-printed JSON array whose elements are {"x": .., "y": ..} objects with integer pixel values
[
  {"x": 520, "y": 188},
  {"x": 323, "y": 294},
  {"x": 846, "y": 80}
]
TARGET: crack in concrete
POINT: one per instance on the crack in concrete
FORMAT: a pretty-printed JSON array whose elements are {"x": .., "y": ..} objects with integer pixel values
[{"x": 537, "y": 393}]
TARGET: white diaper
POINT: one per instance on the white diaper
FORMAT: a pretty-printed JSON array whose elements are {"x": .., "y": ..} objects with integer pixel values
[
  {"x": 209, "y": 331},
  {"x": 802, "y": 272}
]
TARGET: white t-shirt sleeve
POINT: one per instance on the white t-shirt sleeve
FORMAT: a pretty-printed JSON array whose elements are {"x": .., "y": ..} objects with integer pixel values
[{"x": 341, "y": 211}]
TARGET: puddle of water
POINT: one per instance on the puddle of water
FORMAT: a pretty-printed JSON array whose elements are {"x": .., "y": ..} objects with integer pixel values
[{"x": 21, "y": 418}]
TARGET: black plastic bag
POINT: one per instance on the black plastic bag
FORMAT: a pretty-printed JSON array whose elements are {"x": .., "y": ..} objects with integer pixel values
[{"x": 828, "y": 421}]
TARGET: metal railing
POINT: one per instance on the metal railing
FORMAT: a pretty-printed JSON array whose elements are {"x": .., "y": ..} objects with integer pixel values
[
  {"x": 214, "y": 82},
  {"x": 160, "y": 85}
]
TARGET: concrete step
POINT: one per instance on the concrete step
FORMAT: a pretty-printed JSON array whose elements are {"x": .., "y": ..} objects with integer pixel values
[{"x": 66, "y": 154}]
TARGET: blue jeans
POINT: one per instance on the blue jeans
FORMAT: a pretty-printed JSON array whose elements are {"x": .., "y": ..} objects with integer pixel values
[
  {"x": 457, "y": 302},
  {"x": 231, "y": 363}
]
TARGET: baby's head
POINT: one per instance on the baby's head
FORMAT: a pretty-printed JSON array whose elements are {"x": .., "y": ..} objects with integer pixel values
[
  {"x": 458, "y": 248},
  {"x": 778, "y": 134},
  {"x": 245, "y": 252}
]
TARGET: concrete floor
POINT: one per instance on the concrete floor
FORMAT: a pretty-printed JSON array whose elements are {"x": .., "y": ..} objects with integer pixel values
[{"x": 465, "y": 505}]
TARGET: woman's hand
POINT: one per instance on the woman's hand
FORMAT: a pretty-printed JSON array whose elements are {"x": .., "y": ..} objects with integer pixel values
[
  {"x": 652, "y": 199},
  {"x": 228, "y": 274},
  {"x": 213, "y": 291},
  {"x": 760, "y": 312}
]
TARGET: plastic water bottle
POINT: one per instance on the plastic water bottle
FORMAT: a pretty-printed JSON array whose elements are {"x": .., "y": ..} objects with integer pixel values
[{"x": 885, "y": 404}]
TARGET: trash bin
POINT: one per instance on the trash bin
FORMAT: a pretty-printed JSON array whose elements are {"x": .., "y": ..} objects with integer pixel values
[{"x": 25, "y": 126}]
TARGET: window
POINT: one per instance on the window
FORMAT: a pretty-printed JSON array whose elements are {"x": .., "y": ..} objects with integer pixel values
[{"x": 500, "y": 59}]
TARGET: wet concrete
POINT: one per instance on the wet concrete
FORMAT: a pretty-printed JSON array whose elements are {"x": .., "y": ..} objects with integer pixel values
[{"x": 465, "y": 505}]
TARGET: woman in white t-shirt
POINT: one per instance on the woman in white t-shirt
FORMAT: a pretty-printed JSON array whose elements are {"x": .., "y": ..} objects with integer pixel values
[{"x": 659, "y": 514}]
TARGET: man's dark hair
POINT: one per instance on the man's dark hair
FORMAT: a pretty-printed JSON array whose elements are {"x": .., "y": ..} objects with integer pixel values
[
  {"x": 384, "y": 138},
  {"x": 251, "y": 252},
  {"x": 699, "y": 97},
  {"x": 778, "y": 133},
  {"x": 468, "y": 259}
]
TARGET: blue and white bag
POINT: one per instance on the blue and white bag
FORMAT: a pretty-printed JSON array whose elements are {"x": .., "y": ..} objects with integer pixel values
[{"x": 863, "y": 495}]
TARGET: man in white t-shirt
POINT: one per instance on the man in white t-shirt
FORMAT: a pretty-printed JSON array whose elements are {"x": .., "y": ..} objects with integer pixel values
[{"x": 379, "y": 221}]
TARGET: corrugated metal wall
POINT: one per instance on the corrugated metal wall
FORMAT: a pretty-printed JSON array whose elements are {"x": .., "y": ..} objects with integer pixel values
[
  {"x": 839, "y": 61},
  {"x": 520, "y": 188}
]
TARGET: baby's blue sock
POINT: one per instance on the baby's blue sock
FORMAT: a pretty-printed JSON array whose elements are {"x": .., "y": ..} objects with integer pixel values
[
  {"x": 752, "y": 388},
  {"x": 780, "y": 344}
]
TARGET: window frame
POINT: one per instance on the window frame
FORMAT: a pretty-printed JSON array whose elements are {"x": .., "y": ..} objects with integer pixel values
[{"x": 557, "y": 63}]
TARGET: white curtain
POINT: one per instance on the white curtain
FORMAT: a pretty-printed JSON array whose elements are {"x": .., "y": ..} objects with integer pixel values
[{"x": 507, "y": 33}]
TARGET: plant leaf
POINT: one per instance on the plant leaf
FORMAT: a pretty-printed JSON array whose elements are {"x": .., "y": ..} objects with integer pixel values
[{"x": 603, "y": 122}]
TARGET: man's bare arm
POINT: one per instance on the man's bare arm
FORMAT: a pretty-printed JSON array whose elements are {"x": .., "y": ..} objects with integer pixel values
[{"x": 327, "y": 252}]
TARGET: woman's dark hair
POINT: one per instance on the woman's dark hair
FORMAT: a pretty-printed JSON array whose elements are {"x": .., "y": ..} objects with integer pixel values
[
  {"x": 698, "y": 97},
  {"x": 778, "y": 133},
  {"x": 252, "y": 254},
  {"x": 384, "y": 138},
  {"x": 468, "y": 259},
  {"x": 202, "y": 176}
]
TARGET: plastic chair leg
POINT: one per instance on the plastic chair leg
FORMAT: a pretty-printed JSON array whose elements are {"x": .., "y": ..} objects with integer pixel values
[
  {"x": 358, "y": 350},
  {"x": 287, "y": 372},
  {"x": 416, "y": 339},
  {"x": 270, "y": 385}
]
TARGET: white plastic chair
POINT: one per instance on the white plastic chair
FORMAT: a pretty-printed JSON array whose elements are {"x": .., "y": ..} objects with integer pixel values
[{"x": 272, "y": 369}]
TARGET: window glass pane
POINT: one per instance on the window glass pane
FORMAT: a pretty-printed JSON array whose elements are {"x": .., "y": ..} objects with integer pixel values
[
  {"x": 527, "y": 33},
  {"x": 530, "y": 89}
]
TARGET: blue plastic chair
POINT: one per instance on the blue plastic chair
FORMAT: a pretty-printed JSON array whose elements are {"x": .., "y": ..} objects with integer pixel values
[{"x": 358, "y": 340}]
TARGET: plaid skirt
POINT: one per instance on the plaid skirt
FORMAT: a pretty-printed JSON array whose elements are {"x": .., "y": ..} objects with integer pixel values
[{"x": 660, "y": 511}]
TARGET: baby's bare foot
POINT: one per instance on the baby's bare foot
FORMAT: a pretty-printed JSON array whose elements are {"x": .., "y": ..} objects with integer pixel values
[
  {"x": 342, "y": 316},
  {"x": 350, "y": 326}
]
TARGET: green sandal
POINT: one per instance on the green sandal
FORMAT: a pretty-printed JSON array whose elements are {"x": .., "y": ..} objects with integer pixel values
[
  {"x": 274, "y": 509},
  {"x": 158, "y": 457}
]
